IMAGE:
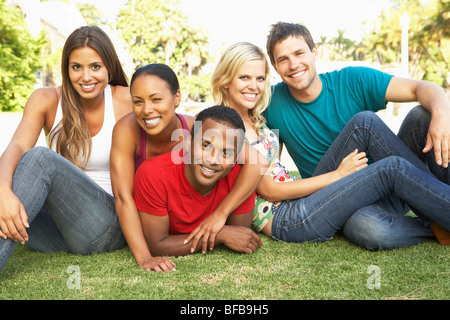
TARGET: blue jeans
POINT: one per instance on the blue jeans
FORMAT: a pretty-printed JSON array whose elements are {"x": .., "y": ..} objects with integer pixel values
[
  {"x": 413, "y": 132},
  {"x": 319, "y": 216},
  {"x": 67, "y": 211},
  {"x": 382, "y": 224}
]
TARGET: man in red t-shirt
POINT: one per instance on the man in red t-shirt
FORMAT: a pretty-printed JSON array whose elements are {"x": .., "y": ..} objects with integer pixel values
[{"x": 173, "y": 197}]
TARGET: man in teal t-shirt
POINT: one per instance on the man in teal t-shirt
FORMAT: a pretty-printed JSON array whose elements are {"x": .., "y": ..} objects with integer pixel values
[
  {"x": 309, "y": 110},
  {"x": 308, "y": 128}
]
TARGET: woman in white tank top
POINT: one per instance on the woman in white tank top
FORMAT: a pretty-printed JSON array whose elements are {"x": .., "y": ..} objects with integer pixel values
[{"x": 62, "y": 200}]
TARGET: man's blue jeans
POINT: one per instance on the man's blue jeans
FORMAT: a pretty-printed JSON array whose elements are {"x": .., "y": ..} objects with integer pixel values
[
  {"x": 67, "y": 211},
  {"x": 413, "y": 132},
  {"x": 380, "y": 224}
]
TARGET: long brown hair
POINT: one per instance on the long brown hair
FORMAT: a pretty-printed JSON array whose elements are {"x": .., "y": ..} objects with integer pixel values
[{"x": 71, "y": 137}]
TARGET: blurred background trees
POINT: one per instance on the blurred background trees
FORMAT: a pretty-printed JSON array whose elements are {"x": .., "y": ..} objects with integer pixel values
[
  {"x": 429, "y": 40},
  {"x": 158, "y": 31},
  {"x": 20, "y": 58}
]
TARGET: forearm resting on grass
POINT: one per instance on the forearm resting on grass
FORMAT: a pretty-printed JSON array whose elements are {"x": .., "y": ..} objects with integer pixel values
[
  {"x": 131, "y": 226},
  {"x": 161, "y": 243}
]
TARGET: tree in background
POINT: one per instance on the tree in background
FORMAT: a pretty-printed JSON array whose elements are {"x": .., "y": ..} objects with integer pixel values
[
  {"x": 157, "y": 31},
  {"x": 20, "y": 58},
  {"x": 92, "y": 14},
  {"x": 340, "y": 48},
  {"x": 429, "y": 38}
]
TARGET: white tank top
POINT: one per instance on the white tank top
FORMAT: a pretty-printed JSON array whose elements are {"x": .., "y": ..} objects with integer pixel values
[{"x": 97, "y": 167}]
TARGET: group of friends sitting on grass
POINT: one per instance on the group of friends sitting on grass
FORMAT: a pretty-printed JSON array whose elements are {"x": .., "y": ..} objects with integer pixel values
[{"x": 122, "y": 167}]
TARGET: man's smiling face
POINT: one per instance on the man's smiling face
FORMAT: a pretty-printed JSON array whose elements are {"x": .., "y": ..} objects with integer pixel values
[
  {"x": 213, "y": 152},
  {"x": 295, "y": 63}
]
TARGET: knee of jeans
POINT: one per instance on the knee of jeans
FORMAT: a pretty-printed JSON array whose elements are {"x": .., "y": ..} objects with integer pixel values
[
  {"x": 362, "y": 116},
  {"x": 37, "y": 154},
  {"x": 38, "y": 158},
  {"x": 417, "y": 120},
  {"x": 365, "y": 119},
  {"x": 418, "y": 114},
  {"x": 366, "y": 233}
]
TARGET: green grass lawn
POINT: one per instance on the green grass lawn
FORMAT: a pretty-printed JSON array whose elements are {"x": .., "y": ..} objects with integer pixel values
[{"x": 333, "y": 270}]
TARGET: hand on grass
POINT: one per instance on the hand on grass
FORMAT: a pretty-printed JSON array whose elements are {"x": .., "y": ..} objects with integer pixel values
[
  {"x": 239, "y": 239},
  {"x": 158, "y": 264}
]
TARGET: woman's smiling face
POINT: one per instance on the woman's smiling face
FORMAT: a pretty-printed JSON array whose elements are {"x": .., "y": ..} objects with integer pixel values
[
  {"x": 248, "y": 85},
  {"x": 87, "y": 72},
  {"x": 153, "y": 103}
]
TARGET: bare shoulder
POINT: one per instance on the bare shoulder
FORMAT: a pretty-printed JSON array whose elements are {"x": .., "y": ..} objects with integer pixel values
[
  {"x": 45, "y": 97},
  {"x": 43, "y": 103},
  {"x": 122, "y": 101},
  {"x": 189, "y": 120},
  {"x": 125, "y": 138},
  {"x": 127, "y": 125}
]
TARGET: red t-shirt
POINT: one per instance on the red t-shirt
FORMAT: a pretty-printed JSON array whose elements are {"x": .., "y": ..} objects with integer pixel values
[{"x": 161, "y": 188}]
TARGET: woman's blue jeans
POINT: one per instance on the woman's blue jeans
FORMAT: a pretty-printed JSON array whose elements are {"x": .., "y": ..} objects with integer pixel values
[
  {"x": 374, "y": 219},
  {"x": 319, "y": 216},
  {"x": 67, "y": 211}
]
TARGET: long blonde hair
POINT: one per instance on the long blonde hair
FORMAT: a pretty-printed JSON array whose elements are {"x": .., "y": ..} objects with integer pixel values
[
  {"x": 71, "y": 137},
  {"x": 232, "y": 59}
]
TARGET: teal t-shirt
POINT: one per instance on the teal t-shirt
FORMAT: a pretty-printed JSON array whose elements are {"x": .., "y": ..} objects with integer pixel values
[{"x": 308, "y": 129}]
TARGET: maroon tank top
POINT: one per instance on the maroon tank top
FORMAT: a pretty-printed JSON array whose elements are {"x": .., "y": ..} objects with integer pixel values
[{"x": 141, "y": 155}]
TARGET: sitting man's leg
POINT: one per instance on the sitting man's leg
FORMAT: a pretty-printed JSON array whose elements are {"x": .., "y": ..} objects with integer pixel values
[{"x": 413, "y": 132}]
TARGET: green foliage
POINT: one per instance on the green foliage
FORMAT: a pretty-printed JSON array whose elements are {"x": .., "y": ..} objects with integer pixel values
[
  {"x": 197, "y": 86},
  {"x": 91, "y": 14},
  {"x": 429, "y": 38},
  {"x": 339, "y": 48},
  {"x": 157, "y": 31},
  {"x": 20, "y": 58}
]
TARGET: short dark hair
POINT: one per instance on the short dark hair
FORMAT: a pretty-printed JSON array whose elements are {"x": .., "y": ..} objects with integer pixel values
[
  {"x": 160, "y": 70},
  {"x": 224, "y": 115},
  {"x": 282, "y": 30}
]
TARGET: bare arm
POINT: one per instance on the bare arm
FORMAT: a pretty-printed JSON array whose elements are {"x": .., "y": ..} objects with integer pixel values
[
  {"x": 125, "y": 138},
  {"x": 433, "y": 98},
  {"x": 235, "y": 237},
  {"x": 13, "y": 218},
  {"x": 279, "y": 191}
]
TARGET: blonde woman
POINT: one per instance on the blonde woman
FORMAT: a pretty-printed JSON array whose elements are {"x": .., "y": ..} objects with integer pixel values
[
  {"x": 313, "y": 209},
  {"x": 62, "y": 200}
]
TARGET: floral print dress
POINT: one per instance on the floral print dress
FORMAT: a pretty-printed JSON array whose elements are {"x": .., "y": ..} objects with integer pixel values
[{"x": 268, "y": 145}]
